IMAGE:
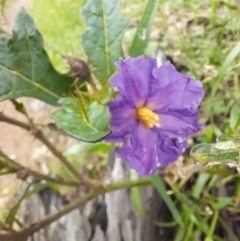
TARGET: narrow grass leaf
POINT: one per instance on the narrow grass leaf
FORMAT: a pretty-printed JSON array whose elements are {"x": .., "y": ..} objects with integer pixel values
[
  {"x": 25, "y": 193},
  {"x": 200, "y": 184},
  {"x": 141, "y": 37},
  {"x": 159, "y": 184},
  {"x": 231, "y": 56},
  {"x": 137, "y": 202}
]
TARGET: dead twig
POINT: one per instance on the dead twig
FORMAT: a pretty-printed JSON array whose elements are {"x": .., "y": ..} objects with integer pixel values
[
  {"x": 39, "y": 135},
  {"x": 17, "y": 168}
]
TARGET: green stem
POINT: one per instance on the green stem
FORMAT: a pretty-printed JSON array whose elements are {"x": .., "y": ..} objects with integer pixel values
[
  {"x": 213, "y": 225},
  {"x": 189, "y": 231}
]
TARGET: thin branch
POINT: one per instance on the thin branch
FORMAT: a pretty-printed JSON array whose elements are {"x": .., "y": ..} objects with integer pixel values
[
  {"x": 74, "y": 205},
  {"x": 38, "y": 134},
  {"x": 15, "y": 167}
]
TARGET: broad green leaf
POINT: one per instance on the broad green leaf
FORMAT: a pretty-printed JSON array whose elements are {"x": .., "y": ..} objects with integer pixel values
[
  {"x": 24, "y": 194},
  {"x": 73, "y": 121},
  {"x": 102, "y": 41},
  {"x": 224, "y": 152},
  {"x": 141, "y": 37},
  {"x": 159, "y": 184},
  {"x": 25, "y": 69}
]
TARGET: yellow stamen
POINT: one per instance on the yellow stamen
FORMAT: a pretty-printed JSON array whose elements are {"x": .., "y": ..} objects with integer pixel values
[{"x": 148, "y": 117}]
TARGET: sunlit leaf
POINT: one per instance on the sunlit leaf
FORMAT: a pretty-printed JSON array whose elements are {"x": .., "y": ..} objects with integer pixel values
[
  {"x": 25, "y": 69},
  {"x": 72, "y": 120},
  {"x": 102, "y": 41},
  {"x": 61, "y": 27}
]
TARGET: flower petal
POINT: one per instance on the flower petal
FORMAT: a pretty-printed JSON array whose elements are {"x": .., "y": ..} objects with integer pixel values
[
  {"x": 170, "y": 149},
  {"x": 180, "y": 122},
  {"x": 139, "y": 153},
  {"x": 166, "y": 74},
  {"x": 133, "y": 80},
  {"x": 122, "y": 121},
  {"x": 170, "y": 95},
  {"x": 180, "y": 94}
]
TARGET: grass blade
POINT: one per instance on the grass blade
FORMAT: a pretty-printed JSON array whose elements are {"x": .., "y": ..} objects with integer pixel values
[
  {"x": 158, "y": 183},
  {"x": 231, "y": 56},
  {"x": 25, "y": 193},
  {"x": 141, "y": 37},
  {"x": 137, "y": 202}
]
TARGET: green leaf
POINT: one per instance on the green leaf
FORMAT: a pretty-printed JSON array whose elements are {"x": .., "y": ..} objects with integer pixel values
[
  {"x": 24, "y": 194},
  {"x": 234, "y": 117},
  {"x": 224, "y": 152},
  {"x": 84, "y": 147},
  {"x": 159, "y": 184},
  {"x": 137, "y": 202},
  {"x": 230, "y": 57},
  {"x": 231, "y": 137},
  {"x": 222, "y": 202},
  {"x": 200, "y": 184},
  {"x": 102, "y": 41},
  {"x": 135, "y": 196},
  {"x": 20, "y": 107},
  {"x": 25, "y": 69},
  {"x": 71, "y": 119},
  {"x": 2, "y": 5},
  {"x": 141, "y": 37}
]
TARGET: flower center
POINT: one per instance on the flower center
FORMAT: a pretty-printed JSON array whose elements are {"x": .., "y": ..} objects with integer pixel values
[{"x": 148, "y": 117}]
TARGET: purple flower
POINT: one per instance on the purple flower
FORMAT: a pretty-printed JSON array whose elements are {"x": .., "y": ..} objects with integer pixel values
[{"x": 155, "y": 112}]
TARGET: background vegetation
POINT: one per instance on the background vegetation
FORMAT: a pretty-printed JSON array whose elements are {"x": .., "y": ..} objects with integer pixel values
[{"x": 204, "y": 37}]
